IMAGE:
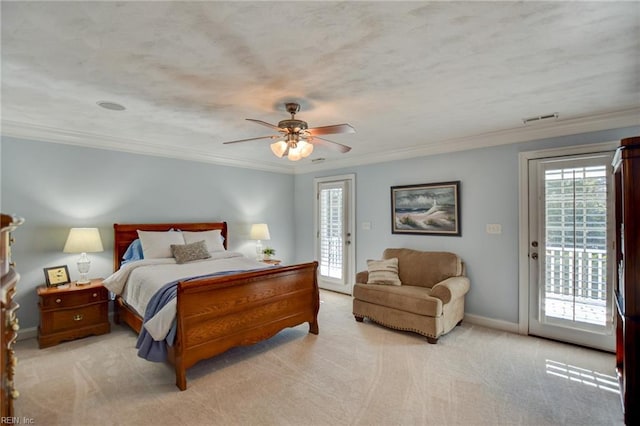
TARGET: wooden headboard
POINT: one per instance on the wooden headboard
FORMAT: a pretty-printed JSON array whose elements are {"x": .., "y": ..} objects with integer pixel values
[{"x": 124, "y": 234}]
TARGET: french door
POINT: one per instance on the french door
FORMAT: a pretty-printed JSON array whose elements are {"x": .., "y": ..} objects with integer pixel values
[
  {"x": 571, "y": 249},
  {"x": 334, "y": 232}
]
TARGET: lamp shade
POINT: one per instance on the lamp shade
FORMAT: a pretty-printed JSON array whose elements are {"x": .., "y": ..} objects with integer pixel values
[
  {"x": 278, "y": 148},
  {"x": 306, "y": 148},
  {"x": 260, "y": 231},
  {"x": 83, "y": 240}
]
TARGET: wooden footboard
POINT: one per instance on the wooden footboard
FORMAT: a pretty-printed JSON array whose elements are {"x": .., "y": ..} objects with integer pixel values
[{"x": 219, "y": 313}]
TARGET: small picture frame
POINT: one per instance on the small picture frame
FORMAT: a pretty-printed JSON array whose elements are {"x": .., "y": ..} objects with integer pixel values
[{"x": 57, "y": 275}]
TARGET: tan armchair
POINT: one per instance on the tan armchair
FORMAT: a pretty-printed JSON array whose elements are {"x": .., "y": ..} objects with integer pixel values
[{"x": 429, "y": 301}]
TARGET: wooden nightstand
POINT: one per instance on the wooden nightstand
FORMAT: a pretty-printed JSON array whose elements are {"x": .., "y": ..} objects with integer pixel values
[
  {"x": 72, "y": 312},
  {"x": 271, "y": 261}
]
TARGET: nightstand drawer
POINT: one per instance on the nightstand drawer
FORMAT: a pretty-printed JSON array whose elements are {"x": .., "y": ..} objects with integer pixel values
[
  {"x": 76, "y": 298},
  {"x": 72, "y": 312},
  {"x": 73, "y": 318}
]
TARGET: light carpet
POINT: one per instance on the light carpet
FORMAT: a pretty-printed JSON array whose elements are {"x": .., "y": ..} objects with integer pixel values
[{"x": 350, "y": 374}]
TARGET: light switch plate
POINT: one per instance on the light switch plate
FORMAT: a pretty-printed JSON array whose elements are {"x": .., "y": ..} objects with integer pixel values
[{"x": 494, "y": 228}]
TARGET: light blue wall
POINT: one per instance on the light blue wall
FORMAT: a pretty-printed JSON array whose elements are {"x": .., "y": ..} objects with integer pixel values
[
  {"x": 55, "y": 187},
  {"x": 489, "y": 194}
]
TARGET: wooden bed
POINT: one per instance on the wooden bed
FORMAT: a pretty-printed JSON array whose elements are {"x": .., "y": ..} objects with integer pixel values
[{"x": 216, "y": 314}]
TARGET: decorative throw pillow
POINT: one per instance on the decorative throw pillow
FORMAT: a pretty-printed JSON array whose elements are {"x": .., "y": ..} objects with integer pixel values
[
  {"x": 383, "y": 271},
  {"x": 189, "y": 252}
]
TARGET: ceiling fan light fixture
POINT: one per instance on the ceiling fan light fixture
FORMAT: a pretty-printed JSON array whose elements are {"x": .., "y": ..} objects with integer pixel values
[
  {"x": 306, "y": 148},
  {"x": 293, "y": 140},
  {"x": 299, "y": 150},
  {"x": 278, "y": 148},
  {"x": 294, "y": 155}
]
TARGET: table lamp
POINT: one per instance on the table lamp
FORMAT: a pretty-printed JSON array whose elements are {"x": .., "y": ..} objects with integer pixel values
[
  {"x": 83, "y": 240},
  {"x": 259, "y": 232}
]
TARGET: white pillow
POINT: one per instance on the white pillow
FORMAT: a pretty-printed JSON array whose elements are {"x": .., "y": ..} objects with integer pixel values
[
  {"x": 383, "y": 272},
  {"x": 157, "y": 245},
  {"x": 213, "y": 239}
]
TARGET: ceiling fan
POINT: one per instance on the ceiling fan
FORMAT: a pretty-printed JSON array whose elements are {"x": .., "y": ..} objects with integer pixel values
[{"x": 296, "y": 139}]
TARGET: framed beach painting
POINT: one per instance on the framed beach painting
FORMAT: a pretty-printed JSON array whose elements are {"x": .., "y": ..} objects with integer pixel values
[{"x": 426, "y": 209}]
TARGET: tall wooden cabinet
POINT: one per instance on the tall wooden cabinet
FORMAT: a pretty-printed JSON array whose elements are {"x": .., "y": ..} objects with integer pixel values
[
  {"x": 626, "y": 166},
  {"x": 8, "y": 320}
]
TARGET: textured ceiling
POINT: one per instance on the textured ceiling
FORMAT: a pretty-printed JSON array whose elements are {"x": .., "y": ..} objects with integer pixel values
[{"x": 411, "y": 77}]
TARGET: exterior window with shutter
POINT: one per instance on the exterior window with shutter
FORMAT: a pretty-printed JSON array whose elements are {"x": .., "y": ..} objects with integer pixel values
[{"x": 331, "y": 230}]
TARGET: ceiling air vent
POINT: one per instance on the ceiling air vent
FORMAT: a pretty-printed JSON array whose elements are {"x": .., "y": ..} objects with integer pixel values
[
  {"x": 318, "y": 160},
  {"x": 540, "y": 118}
]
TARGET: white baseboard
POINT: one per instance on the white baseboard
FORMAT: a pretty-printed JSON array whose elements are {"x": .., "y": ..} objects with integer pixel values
[
  {"x": 497, "y": 324},
  {"x": 511, "y": 327},
  {"x": 28, "y": 333}
]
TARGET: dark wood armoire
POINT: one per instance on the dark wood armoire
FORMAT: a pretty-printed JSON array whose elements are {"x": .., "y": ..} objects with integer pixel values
[{"x": 626, "y": 167}]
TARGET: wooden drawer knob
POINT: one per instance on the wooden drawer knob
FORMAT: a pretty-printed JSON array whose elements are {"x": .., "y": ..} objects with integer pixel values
[
  {"x": 58, "y": 300},
  {"x": 95, "y": 294}
]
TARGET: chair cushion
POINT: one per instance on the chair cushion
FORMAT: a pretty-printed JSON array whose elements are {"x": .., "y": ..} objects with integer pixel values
[
  {"x": 414, "y": 299},
  {"x": 383, "y": 272},
  {"x": 424, "y": 268}
]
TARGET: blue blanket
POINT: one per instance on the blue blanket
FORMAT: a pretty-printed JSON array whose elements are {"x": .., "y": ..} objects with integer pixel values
[{"x": 156, "y": 350}]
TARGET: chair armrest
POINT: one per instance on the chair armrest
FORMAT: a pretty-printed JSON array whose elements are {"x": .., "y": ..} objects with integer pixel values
[
  {"x": 362, "y": 277},
  {"x": 451, "y": 288}
]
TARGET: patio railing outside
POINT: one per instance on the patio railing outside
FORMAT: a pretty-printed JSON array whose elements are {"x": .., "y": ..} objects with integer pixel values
[{"x": 576, "y": 285}]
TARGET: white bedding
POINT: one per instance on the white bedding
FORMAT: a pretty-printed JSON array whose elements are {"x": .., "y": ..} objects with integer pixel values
[{"x": 138, "y": 281}]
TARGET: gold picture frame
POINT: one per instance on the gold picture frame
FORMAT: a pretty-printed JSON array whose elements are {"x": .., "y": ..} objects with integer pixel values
[{"x": 57, "y": 275}]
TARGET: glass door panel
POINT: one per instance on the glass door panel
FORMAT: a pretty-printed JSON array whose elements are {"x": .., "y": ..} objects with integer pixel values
[{"x": 571, "y": 298}]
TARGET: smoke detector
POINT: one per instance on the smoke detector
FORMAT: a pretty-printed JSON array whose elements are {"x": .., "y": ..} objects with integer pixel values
[{"x": 110, "y": 105}]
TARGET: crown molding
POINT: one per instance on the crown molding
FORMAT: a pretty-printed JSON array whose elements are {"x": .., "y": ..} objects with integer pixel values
[
  {"x": 89, "y": 140},
  {"x": 525, "y": 133},
  {"x": 613, "y": 120}
]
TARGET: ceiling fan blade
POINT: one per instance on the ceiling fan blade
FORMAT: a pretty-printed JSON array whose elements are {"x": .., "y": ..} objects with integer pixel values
[
  {"x": 331, "y": 144},
  {"x": 327, "y": 130},
  {"x": 264, "y": 123},
  {"x": 251, "y": 139}
]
